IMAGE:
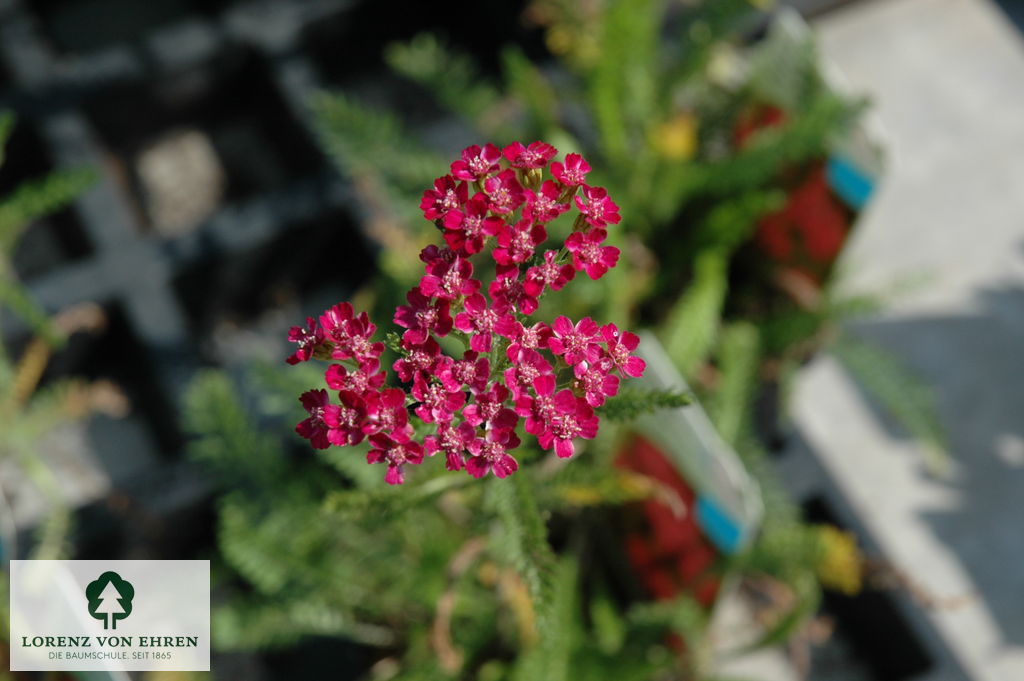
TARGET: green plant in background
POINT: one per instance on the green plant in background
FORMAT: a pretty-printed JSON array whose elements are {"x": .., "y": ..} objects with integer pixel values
[
  {"x": 698, "y": 136},
  {"x": 454, "y": 575},
  {"x": 28, "y": 412},
  {"x": 657, "y": 117},
  {"x": 444, "y": 576},
  {"x": 668, "y": 106},
  {"x": 657, "y": 97}
]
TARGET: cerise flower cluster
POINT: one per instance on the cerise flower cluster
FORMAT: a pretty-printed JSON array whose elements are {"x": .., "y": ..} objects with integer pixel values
[{"x": 549, "y": 377}]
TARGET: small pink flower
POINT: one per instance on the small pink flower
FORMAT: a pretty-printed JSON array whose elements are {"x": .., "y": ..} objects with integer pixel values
[
  {"x": 490, "y": 453},
  {"x": 573, "y": 173},
  {"x": 422, "y": 316},
  {"x": 310, "y": 339},
  {"x": 527, "y": 366},
  {"x": 444, "y": 371},
  {"x": 471, "y": 371},
  {"x": 475, "y": 406},
  {"x": 573, "y": 418},
  {"x": 543, "y": 206},
  {"x": 385, "y": 411},
  {"x": 451, "y": 440},
  {"x": 598, "y": 208},
  {"x": 449, "y": 280},
  {"x": 419, "y": 360},
  {"x": 539, "y": 407},
  {"x": 396, "y": 449},
  {"x": 595, "y": 384},
  {"x": 346, "y": 422},
  {"x": 535, "y": 336},
  {"x": 335, "y": 319},
  {"x": 549, "y": 273},
  {"x": 432, "y": 253},
  {"x": 620, "y": 346},
  {"x": 438, "y": 402},
  {"x": 351, "y": 336},
  {"x": 313, "y": 428},
  {"x": 467, "y": 230},
  {"x": 525, "y": 337},
  {"x": 479, "y": 320},
  {"x": 338, "y": 377},
  {"x": 536, "y": 155},
  {"x": 577, "y": 343},
  {"x": 507, "y": 290},
  {"x": 489, "y": 408},
  {"x": 447, "y": 195},
  {"x": 516, "y": 243},
  {"x": 588, "y": 253},
  {"x": 505, "y": 192},
  {"x": 477, "y": 163}
]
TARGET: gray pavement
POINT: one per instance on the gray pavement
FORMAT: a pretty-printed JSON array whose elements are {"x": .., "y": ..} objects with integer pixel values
[{"x": 947, "y": 80}]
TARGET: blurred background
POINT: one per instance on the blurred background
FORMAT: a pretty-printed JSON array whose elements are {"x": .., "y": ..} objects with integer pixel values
[{"x": 822, "y": 223}]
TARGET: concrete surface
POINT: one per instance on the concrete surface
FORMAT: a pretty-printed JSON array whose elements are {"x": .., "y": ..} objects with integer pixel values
[{"x": 947, "y": 80}]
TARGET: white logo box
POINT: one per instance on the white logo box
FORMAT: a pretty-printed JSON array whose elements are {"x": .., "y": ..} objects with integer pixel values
[{"x": 164, "y": 625}]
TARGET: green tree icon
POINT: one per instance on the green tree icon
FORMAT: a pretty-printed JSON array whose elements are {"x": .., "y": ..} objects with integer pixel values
[{"x": 110, "y": 598}]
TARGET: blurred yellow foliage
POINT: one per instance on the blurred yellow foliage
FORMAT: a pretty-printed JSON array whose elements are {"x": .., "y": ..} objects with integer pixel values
[
  {"x": 176, "y": 676},
  {"x": 623, "y": 487},
  {"x": 676, "y": 139},
  {"x": 580, "y": 48},
  {"x": 515, "y": 593},
  {"x": 839, "y": 565}
]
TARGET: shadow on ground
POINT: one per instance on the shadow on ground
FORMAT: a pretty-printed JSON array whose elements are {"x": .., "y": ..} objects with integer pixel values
[{"x": 975, "y": 365}]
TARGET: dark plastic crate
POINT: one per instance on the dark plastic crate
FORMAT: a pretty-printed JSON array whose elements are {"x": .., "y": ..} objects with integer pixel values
[
  {"x": 306, "y": 256},
  {"x": 82, "y": 26},
  {"x": 233, "y": 101}
]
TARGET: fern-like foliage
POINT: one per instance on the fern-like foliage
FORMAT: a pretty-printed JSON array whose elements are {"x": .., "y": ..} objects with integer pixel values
[
  {"x": 899, "y": 392},
  {"x": 232, "y": 447},
  {"x": 692, "y": 327},
  {"x": 373, "y": 148},
  {"x": 622, "y": 84},
  {"x": 319, "y": 572},
  {"x": 633, "y": 402},
  {"x": 29, "y": 201},
  {"x": 682, "y": 615},
  {"x": 451, "y": 78},
  {"x": 28, "y": 413},
  {"x": 551, "y": 657},
  {"x": 534, "y": 90},
  {"x": 6, "y": 128},
  {"x": 524, "y": 538},
  {"x": 772, "y": 150},
  {"x": 738, "y": 365},
  {"x": 731, "y": 224},
  {"x": 38, "y": 198},
  {"x": 695, "y": 201},
  {"x": 706, "y": 24}
]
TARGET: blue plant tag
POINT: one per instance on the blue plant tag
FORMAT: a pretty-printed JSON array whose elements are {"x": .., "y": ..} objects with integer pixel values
[
  {"x": 728, "y": 507},
  {"x": 848, "y": 182},
  {"x": 718, "y": 526}
]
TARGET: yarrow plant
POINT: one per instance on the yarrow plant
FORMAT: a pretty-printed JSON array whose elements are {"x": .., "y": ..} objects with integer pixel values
[{"x": 493, "y": 211}]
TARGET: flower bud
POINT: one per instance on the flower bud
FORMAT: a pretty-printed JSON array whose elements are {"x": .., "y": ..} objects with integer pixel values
[{"x": 532, "y": 177}]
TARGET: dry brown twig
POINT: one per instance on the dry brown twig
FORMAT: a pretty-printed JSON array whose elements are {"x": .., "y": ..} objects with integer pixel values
[{"x": 449, "y": 657}]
